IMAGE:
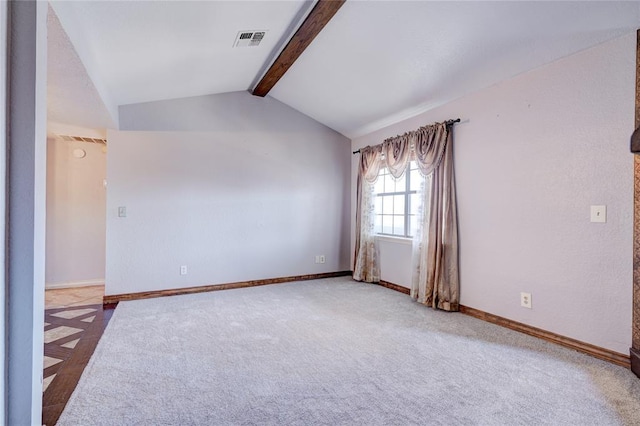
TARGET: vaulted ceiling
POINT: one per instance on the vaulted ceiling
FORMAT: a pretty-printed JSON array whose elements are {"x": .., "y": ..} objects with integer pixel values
[{"x": 374, "y": 63}]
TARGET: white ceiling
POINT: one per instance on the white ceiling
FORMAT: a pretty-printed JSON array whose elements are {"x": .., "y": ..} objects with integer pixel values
[{"x": 375, "y": 63}]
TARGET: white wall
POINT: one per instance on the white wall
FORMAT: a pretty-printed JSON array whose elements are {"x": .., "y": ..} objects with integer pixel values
[
  {"x": 25, "y": 228},
  {"x": 4, "y": 12},
  {"x": 76, "y": 213},
  {"x": 233, "y": 186},
  {"x": 531, "y": 155}
]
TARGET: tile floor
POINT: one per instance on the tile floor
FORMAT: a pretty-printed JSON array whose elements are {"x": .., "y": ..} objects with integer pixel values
[
  {"x": 74, "y": 322},
  {"x": 64, "y": 297}
]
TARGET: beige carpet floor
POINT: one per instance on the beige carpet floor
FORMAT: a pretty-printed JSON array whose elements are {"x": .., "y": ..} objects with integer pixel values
[{"x": 335, "y": 352}]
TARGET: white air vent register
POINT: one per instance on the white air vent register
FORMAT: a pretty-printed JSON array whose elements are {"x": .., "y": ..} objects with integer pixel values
[
  {"x": 249, "y": 38},
  {"x": 70, "y": 138}
]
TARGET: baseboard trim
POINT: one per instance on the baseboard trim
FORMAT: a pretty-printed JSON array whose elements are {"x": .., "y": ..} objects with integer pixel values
[
  {"x": 587, "y": 348},
  {"x": 115, "y": 298},
  {"x": 73, "y": 284},
  {"x": 395, "y": 287},
  {"x": 635, "y": 361}
]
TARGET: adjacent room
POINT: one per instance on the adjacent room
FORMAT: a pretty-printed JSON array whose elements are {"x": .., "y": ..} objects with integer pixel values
[{"x": 324, "y": 212}]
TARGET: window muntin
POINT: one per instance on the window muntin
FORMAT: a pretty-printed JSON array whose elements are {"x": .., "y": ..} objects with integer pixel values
[{"x": 397, "y": 202}]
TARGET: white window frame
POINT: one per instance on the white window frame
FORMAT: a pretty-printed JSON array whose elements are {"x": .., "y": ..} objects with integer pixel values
[{"x": 407, "y": 192}]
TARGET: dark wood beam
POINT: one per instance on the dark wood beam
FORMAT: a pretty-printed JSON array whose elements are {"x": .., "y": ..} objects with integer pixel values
[
  {"x": 635, "y": 328},
  {"x": 319, "y": 16}
]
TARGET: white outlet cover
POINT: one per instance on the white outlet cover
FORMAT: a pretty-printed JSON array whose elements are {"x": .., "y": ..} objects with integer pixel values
[{"x": 599, "y": 214}]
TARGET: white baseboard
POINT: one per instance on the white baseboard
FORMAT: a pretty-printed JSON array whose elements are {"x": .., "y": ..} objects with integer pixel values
[{"x": 72, "y": 284}]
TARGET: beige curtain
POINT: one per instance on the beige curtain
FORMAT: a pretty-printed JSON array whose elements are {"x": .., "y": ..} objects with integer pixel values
[
  {"x": 366, "y": 267},
  {"x": 435, "y": 276},
  {"x": 397, "y": 152}
]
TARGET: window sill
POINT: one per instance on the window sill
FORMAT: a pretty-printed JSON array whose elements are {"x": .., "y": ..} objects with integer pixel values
[{"x": 396, "y": 240}]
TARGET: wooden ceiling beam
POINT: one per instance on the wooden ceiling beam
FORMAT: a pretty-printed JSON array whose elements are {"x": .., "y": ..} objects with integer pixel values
[{"x": 319, "y": 16}]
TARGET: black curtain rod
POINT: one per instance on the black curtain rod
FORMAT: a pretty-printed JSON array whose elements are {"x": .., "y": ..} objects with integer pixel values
[{"x": 448, "y": 123}]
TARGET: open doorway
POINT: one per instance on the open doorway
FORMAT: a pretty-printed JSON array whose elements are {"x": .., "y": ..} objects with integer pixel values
[
  {"x": 74, "y": 317},
  {"x": 75, "y": 260},
  {"x": 76, "y": 214}
]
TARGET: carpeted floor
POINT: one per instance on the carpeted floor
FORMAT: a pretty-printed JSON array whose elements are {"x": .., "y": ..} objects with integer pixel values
[{"x": 335, "y": 352}]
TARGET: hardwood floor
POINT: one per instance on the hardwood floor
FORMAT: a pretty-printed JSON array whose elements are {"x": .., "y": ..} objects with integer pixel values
[{"x": 74, "y": 322}]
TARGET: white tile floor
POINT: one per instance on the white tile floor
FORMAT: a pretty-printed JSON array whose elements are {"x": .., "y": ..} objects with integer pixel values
[
  {"x": 76, "y": 296},
  {"x": 59, "y": 333}
]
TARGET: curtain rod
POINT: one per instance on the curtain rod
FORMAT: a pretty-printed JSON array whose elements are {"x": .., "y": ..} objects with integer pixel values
[{"x": 448, "y": 123}]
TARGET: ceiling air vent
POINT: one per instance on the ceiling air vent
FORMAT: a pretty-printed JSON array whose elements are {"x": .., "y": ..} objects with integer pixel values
[{"x": 249, "y": 38}]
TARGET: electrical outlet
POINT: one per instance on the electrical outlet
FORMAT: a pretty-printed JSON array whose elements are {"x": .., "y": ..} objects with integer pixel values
[
  {"x": 599, "y": 214},
  {"x": 183, "y": 270},
  {"x": 317, "y": 259},
  {"x": 322, "y": 259},
  {"x": 525, "y": 300}
]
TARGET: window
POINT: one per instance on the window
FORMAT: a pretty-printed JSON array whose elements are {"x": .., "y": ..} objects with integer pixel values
[{"x": 397, "y": 203}]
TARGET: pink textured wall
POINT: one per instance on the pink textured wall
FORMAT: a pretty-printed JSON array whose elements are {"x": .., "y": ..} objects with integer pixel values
[{"x": 531, "y": 155}]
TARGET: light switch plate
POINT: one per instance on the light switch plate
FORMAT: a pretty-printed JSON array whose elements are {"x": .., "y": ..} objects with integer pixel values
[
  {"x": 599, "y": 214},
  {"x": 122, "y": 211}
]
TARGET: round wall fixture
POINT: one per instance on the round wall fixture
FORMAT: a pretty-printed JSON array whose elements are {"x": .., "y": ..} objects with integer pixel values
[{"x": 79, "y": 153}]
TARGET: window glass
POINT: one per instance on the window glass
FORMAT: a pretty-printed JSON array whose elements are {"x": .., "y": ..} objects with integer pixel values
[
  {"x": 387, "y": 224},
  {"x": 397, "y": 202},
  {"x": 398, "y": 224},
  {"x": 387, "y": 204}
]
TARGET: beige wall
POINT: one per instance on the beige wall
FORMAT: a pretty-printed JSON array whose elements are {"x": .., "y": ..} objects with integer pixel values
[{"x": 76, "y": 199}]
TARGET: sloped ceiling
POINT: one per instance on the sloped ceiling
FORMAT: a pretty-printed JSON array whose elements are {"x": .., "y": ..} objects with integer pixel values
[
  {"x": 375, "y": 63},
  {"x": 71, "y": 96}
]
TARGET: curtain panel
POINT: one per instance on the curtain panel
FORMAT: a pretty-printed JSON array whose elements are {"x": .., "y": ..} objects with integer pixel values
[
  {"x": 435, "y": 270},
  {"x": 366, "y": 267},
  {"x": 435, "y": 275}
]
